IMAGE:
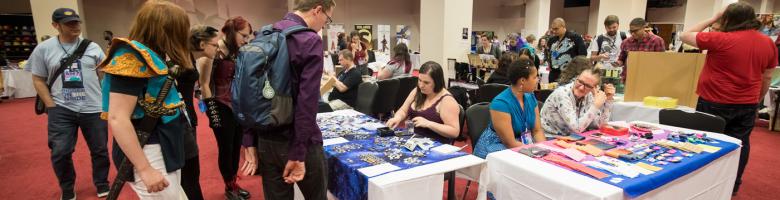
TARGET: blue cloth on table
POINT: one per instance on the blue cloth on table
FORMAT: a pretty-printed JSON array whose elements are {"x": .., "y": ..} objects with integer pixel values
[
  {"x": 645, "y": 183},
  {"x": 344, "y": 179}
]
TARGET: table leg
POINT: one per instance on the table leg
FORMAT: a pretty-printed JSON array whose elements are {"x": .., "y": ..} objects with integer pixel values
[{"x": 774, "y": 117}]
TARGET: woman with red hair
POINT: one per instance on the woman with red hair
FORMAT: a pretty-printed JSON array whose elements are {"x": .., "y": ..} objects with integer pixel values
[{"x": 215, "y": 82}]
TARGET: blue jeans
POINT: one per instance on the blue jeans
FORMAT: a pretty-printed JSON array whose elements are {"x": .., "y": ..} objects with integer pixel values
[
  {"x": 740, "y": 119},
  {"x": 63, "y": 132}
]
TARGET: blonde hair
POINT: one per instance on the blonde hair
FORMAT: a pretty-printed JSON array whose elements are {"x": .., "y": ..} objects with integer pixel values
[{"x": 163, "y": 27}]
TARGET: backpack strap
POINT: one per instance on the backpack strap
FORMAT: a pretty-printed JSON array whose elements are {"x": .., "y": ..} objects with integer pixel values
[
  {"x": 599, "y": 41},
  {"x": 622, "y": 36},
  {"x": 294, "y": 29}
]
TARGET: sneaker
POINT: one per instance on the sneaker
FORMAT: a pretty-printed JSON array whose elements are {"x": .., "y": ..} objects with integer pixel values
[
  {"x": 763, "y": 116},
  {"x": 233, "y": 195},
  {"x": 71, "y": 196},
  {"x": 243, "y": 193},
  {"x": 102, "y": 192}
]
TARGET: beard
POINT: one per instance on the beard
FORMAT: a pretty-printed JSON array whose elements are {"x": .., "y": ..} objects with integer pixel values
[{"x": 611, "y": 33}]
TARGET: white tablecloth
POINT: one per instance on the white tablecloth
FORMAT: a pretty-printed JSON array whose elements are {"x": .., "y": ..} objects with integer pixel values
[
  {"x": 18, "y": 84},
  {"x": 510, "y": 175},
  {"x": 422, "y": 182},
  {"x": 636, "y": 111}
]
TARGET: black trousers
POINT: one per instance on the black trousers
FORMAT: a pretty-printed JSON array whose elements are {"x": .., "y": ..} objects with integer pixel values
[
  {"x": 273, "y": 158},
  {"x": 229, "y": 137},
  {"x": 740, "y": 119},
  {"x": 190, "y": 178}
]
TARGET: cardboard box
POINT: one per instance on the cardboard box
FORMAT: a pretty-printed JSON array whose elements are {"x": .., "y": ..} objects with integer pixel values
[
  {"x": 663, "y": 74},
  {"x": 326, "y": 85}
]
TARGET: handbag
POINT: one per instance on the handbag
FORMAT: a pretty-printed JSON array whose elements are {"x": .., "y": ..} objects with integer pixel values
[{"x": 40, "y": 107}]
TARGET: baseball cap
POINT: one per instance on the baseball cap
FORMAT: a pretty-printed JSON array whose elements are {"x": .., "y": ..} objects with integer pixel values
[{"x": 64, "y": 15}]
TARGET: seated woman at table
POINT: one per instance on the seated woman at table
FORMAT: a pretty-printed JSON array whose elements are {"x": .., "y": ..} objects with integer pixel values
[
  {"x": 399, "y": 65},
  {"x": 432, "y": 109},
  {"x": 346, "y": 84},
  {"x": 358, "y": 49},
  {"x": 574, "y": 107},
  {"x": 499, "y": 75},
  {"x": 514, "y": 117}
]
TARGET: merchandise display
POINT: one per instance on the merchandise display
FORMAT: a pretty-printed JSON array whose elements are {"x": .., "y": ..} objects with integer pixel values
[
  {"x": 364, "y": 153},
  {"x": 644, "y": 159}
]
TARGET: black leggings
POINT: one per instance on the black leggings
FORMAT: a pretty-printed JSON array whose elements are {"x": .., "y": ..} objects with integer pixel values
[
  {"x": 190, "y": 174},
  {"x": 229, "y": 138}
]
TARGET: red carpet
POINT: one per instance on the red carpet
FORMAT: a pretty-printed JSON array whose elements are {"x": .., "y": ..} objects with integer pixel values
[{"x": 25, "y": 168}]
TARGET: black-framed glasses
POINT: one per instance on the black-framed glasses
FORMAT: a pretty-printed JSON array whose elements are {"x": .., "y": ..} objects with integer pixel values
[
  {"x": 330, "y": 20},
  {"x": 582, "y": 83}
]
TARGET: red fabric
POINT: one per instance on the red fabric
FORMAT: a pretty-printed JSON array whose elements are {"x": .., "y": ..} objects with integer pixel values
[{"x": 736, "y": 61}]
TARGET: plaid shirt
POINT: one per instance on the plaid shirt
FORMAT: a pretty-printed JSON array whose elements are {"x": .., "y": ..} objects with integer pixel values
[{"x": 649, "y": 43}]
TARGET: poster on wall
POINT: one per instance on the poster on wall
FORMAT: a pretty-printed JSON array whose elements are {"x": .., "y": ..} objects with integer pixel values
[
  {"x": 383, "y": 38},
  {"x": 365, "y": 31},
  {"x": 333, "y": 39},
  {"x": 403, "y": 34}
]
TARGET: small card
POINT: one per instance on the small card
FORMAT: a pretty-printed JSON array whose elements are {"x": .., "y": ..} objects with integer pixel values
[
  {"x": 333, "y": 141},
  {"x": 657, "y": 131},
  {"x": 648, "y": 167},
  {"x": 708, "y": 148},
  {"x": 446, "y": 149},
  {"x": 378, "y": 169}
]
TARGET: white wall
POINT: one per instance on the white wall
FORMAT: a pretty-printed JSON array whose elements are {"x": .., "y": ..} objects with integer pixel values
[
  {"x": 42, "y": 10},
  {"x": 537, "y": 17},
  {"x": 673, "y": 15},
  {"x": 431, "y": 23},
  {"x": 457, "y": 15},
  {"x": 577, "y": 19},
  {"x": 625, "y": 10},
  {"x": 594, "y": 23}
]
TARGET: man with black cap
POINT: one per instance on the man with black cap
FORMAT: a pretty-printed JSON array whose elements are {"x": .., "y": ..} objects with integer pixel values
[{"x": 73, "y": 100}]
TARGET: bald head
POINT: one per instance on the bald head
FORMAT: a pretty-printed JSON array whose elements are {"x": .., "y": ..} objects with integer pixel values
[
  {"x": 558, "y": 22},
  {"x": 558, "y": 27}
]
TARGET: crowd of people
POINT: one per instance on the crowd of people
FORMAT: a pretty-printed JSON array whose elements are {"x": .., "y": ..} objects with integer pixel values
[{"x": 164, "y": 58}]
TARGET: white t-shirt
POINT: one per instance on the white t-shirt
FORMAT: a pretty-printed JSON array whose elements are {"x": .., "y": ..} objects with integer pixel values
[{"x": 610, "y": 45}]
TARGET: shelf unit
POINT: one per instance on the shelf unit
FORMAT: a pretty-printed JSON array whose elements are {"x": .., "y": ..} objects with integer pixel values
[{"x": 17, "y": 36}]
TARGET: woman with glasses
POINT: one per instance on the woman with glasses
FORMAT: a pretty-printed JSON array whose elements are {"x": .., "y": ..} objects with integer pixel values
[
  {"x": 514, "y": 116},
  {"x": 215, "y": 85},
  {"x": 576, "y": 106}
]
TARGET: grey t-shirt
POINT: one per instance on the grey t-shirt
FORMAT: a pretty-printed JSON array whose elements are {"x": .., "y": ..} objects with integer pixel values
[
  {"x": 398, "y": 69},
  {"x": 78, "y": 87}
]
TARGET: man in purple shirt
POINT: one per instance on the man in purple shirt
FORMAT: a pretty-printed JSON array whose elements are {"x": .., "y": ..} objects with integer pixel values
[{"x": 294, "y": 154}]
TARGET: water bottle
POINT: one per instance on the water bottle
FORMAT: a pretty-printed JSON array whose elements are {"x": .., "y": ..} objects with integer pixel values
[{"x": 409, "y": 127}]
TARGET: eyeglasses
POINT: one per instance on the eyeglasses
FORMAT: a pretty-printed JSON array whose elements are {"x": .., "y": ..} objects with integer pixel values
[
  {"x": 245, "y": 36},
  {"x": 215, "y": 45},
  {"x": 330, "y": 20},
  {"x": 636, "y": 30},
  {"x": 582, "y": 83}
]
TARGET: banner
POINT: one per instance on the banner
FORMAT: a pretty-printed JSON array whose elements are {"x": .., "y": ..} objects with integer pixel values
[
  {"x": 333, "y": 40},
  {"x": 383, "y": 38},
  {"x": 366, "y": 33},
  {"x": 403, "y": 34}
]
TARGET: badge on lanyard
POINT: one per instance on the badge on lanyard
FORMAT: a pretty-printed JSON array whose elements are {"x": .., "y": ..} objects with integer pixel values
[{"x": 71, "y": 76}]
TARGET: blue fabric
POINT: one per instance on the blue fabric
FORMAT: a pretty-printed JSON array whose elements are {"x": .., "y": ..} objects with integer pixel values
[
  {"x": 153, "y": 86},
  {"x": 522, "y": 120},
  {"x": 346, "y": 182},
  {"x": 644, "y": 183}
]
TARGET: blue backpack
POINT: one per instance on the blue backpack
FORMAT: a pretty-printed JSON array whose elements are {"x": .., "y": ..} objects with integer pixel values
[{"x": 264, "y": 84}]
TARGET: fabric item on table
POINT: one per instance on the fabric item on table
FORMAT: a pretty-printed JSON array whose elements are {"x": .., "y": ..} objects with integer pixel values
[{"x": 635, "y": 187}]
